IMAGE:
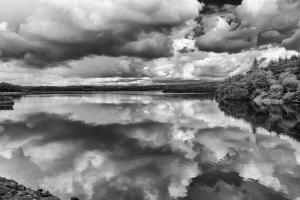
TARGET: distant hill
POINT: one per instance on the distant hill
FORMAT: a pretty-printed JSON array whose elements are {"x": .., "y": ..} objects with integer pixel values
[
  {"x": 196, "y": 87},
  {"x": 6, "y": 87}
]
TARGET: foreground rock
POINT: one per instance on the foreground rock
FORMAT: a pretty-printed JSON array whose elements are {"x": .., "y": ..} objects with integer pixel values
[{"x": 10, "y": 189}]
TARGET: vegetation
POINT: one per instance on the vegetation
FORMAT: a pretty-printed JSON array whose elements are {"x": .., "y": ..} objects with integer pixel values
[
  {"x": 276, "y": 83},
  {"x": 202, "y": 87},
  {"x": 50, "y": 89},
  {"x": 6, "y": 87},
  {"x": 205, "y": 87}
]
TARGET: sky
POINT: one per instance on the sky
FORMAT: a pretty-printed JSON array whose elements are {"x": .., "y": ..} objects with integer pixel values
[{"x": 92, "y": 42}]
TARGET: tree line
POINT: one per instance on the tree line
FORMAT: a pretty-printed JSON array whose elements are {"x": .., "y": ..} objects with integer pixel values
[{"x": 278, "y": 81}]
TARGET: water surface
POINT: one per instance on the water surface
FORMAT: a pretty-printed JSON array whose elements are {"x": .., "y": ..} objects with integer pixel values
[{"x": 135, "y": 147}]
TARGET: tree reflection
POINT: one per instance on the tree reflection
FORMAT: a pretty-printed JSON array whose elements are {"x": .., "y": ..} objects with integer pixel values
[{"x": 282, "y": 119}]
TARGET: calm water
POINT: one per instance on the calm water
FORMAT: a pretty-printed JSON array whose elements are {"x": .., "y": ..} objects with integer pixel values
[{"x": 135, "y": 147}]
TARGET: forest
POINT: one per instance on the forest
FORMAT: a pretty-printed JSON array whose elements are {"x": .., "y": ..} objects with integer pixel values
[{"x": 278, "y": 82}]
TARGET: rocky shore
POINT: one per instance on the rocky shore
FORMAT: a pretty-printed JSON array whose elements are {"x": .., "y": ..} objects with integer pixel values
[{"x": 12, "y": 190}]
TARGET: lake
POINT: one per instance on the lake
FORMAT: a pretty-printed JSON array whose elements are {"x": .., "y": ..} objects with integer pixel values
[{"x": 151, "y": 146}]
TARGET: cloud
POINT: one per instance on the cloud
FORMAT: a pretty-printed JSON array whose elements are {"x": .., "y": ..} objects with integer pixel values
[
  {"x": 95, "y": 43},
  {"x": 104, "y": 70},
  {"x": 276, "y": 20},
  {"x": 151, "y": 45},
  {"x": 221, "y": 29},
  {"x": 42, "y": 32},
  {"x": 279, "y": 19},
  {"x": 221, "y": 2},
  {"x": 225, "y": 38},
  {"x": 234, "y": 28},
  {"x": 270, "y": 14},
  {"x": 195, "y": 65},
  {"x": 294, "y": 41}
]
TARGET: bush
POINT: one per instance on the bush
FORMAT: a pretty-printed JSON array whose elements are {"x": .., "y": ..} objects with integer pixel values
[
  {"x": 290, "y": 84},
  {"x": 259, "y": 79},
  {"x": 289, "y": 96},
  {"x": 276, "y": 91},
  {"x": 292, "y": 97}
]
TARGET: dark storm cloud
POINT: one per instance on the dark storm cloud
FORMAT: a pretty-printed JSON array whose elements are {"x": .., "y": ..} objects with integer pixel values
[
  {"x": 293, "y": 43},
  {"x": 248, "y": 23},
  {"x": 42, "y": 33},
  {"x": 221, "y": 2},
  {"x": 222, "y": 29}
]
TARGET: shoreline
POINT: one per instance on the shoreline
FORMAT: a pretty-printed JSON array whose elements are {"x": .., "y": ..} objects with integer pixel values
[
  {"x": 157, "y": 92},
  {"x": 200, "y": 87},
  {"x": 257, "y": 100}
]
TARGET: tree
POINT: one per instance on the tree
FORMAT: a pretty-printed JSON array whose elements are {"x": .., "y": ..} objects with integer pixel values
[
  {"x": 260, "y": 79},
  {"x": 255, "y": 65},
  {"x": 235, "y": 88}
]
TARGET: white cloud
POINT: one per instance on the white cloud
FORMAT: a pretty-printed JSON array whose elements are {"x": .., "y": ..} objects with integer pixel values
[
  {"x": 3, "y": 26},
  {"x": 214, "y": 65},
  {"x": 270, "y": 14},
  {"x": 123, "y": 70}
]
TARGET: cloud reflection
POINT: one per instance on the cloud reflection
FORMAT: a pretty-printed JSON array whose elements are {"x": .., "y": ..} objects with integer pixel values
[{"x": 116, "y": 146}]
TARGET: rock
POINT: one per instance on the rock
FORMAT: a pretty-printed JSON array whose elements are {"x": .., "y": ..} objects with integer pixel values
[
  {"x": 74, "y": 198},
  {"x": 23, "y": 193},
  {"x": 4, "y": 190},
  {"x": 11, "y": 190},
  {"x": 11, "y": 185},
  {"x": 21, "y": 187},
  {"x": 45, "y": 194},
  {"x": 14, "y": 192},
  {"x": 3, "y": 179}
]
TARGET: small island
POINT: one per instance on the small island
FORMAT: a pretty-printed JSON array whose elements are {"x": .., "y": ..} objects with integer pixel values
[{"x": 276, "y": 83}]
